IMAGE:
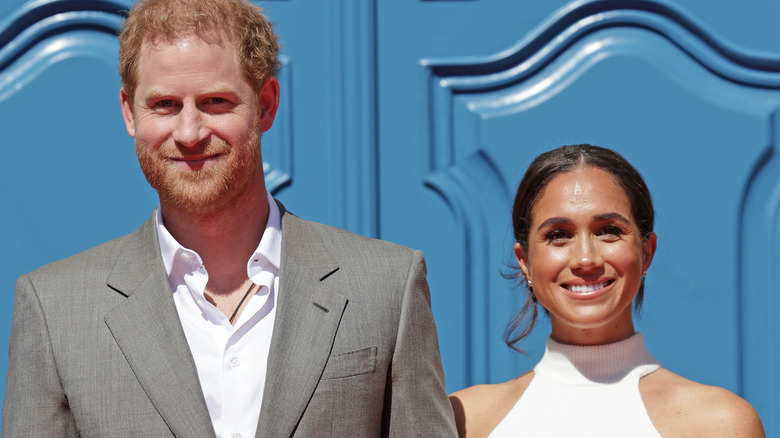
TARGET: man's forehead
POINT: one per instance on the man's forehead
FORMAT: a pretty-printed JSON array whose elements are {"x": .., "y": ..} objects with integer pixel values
[
  {"x": 183, "y": 40},
  {"x": 166, "y": 64}
]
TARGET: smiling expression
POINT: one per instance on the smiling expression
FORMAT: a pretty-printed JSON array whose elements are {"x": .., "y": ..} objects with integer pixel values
[
  {"x": 197, "y": 120},
  {"x": 585, "y": 257}
]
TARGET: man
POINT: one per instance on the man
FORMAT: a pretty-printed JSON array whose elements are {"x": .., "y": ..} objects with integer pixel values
[{"x": 223, "y": 315}]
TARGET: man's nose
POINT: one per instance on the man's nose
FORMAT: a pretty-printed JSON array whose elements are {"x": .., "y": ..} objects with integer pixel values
[{"x": 190, "y": 128}]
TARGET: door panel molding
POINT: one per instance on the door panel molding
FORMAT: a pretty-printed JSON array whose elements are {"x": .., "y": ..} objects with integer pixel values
[
  {"x": 39, "y": 34},
  {"x": 759, "y": 283},
  {"x": 580, "y": 18},
  {"x": 465, "y": 94}
]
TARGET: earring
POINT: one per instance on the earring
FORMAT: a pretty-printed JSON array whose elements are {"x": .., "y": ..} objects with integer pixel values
[
  {"x": 644, "y": 273},
  {"x": 530, "y": 283}
]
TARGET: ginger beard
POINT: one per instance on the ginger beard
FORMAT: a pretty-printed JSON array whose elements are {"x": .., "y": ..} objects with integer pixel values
[{"x": 204, "y": 191}]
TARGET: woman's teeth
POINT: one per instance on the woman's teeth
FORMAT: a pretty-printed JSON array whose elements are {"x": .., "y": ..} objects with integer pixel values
[{"x": 581, "y": 288}]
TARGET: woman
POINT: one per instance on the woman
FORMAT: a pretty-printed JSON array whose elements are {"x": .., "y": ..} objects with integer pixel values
[{"x": 583, "y": 222}]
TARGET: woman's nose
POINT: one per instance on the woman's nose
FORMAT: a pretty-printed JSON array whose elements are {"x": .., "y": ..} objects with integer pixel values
[{"x": 586, "y": 254}]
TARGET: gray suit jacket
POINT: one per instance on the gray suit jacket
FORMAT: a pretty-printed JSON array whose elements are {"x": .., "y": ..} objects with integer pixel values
[{"x": 97, "y": 349}]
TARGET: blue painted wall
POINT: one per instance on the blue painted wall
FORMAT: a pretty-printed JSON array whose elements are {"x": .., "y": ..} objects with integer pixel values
[{"x": 413, "y": 121}]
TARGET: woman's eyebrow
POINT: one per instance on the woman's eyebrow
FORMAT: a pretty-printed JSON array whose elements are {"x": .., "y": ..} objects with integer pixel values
[
  {"x": 597, "y": 218},
  {"x": 610, "y": 216},
  {"x": 554, "y": 221}
]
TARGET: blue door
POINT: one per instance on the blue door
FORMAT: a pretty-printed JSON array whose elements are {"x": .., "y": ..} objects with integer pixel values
[
  {"x": 471, "y": 91},
  {"x": 414, "y": 120}
]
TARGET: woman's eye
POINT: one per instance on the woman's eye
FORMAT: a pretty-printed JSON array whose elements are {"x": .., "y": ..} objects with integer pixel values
[
  {"x": 611, "y": 230},
  {"x": 556, "y": 236}
]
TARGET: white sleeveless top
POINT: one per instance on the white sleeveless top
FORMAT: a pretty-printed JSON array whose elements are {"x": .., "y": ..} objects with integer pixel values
[{"x": 584, "y": 391}]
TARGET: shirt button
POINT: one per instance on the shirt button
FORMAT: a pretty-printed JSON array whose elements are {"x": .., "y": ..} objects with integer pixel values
[
  {"x": 235, "y": 362},
  {"x": 185, "y": 256},
  {"x": 236, "y": 435}
]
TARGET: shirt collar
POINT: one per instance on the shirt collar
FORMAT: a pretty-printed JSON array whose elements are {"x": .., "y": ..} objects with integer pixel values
[{"x": 268, "y": 253}]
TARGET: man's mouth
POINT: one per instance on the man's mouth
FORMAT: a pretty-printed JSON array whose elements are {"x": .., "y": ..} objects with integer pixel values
[
  {"x": 194, "y": 161},
  {"x": 194, "y": 158}
]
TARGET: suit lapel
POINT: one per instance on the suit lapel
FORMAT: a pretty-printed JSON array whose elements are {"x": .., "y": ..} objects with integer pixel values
[
  {"x": 307, "y": 318},
  {"x": 147, "y": 329}
]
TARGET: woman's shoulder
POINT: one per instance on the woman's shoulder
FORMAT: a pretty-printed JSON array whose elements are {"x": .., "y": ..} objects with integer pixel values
[
  {"x": 478, "y": 409},
  {"x": 681, "y": 407}
]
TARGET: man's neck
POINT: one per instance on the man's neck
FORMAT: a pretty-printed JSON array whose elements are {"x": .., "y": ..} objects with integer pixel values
[{"x": 224, "y": 240}]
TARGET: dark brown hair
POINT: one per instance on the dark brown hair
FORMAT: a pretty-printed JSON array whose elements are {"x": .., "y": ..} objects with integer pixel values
[{"x": 541, "y": 171}]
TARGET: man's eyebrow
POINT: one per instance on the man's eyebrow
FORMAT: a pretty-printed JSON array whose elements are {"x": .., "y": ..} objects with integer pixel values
[
  {"x": 156, "y": 93},
  {"x": 219, "y": 89}
]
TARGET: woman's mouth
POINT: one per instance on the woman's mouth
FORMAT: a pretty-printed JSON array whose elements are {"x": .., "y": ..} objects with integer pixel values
[
  {"x": 587, "y": 291},
  {"x": 585, "y": 288}
]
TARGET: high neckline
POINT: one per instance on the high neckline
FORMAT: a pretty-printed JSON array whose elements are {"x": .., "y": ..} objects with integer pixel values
[{"x": 596, "y": 364}]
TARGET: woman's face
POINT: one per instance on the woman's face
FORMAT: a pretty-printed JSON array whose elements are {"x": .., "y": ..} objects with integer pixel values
[{"x": 585, "y": 257}]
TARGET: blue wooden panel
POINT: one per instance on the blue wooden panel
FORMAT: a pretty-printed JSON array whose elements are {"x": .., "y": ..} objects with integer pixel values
[
  {"x": 413, "y": 120},
  {"x": 331, "y": 108},
  {"x": 68, "y": 180},
  {"x": 759, "y": 283},
  {"x": 695, "y": 112}
]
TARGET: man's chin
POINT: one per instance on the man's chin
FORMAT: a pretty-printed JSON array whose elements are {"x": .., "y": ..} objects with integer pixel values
[
  {"x": 197, "y": 198},
  {"x": 204, "y": 192},
  {"x": 195, "y": 207}
]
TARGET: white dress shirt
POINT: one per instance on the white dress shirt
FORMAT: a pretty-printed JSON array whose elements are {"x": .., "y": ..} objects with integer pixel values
[{"x": 231, "y": 360}]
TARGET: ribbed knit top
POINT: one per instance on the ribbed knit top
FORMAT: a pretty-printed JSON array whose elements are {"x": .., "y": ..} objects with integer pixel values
[{"x": 584, "y": 391}]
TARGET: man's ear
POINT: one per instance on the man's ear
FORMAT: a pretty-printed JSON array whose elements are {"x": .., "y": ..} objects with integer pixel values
[
  {"x": 522, "y": 260},
  {"x": 127, "y": 112},
  {"x": 268, "y": 103}
]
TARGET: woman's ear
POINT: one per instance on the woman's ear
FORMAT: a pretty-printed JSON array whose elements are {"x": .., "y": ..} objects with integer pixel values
[
  {"x": 648, "y": 251},
  {"x": 522, "y": 260}
]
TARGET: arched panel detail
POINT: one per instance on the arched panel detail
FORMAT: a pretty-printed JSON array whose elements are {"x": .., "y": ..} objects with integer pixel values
[
  {"x": 759, "y": 261},
  {"x": 35, "y": 60},
  {"x": 475, "y": 193},
  {"x": 552, "y": 40},
  {"x": 580, "y": 18},
  {"x": 34, "y": 19},
  {"x": 42, "y": 33},
  {"x": 463, "y": 94},
  {"x": 278, "y": 145}
]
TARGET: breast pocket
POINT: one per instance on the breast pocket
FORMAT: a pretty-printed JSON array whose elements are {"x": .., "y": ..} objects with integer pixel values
[{"x": 350, "y": 364}]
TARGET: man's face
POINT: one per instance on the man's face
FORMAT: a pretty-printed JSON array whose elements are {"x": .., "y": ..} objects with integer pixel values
[{"x": 196, "y": 121}]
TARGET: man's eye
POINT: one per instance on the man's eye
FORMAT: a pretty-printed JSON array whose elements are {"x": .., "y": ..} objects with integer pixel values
[
  {"x": 164, "y": 103},
  {"x": 217, "y": 100}
]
